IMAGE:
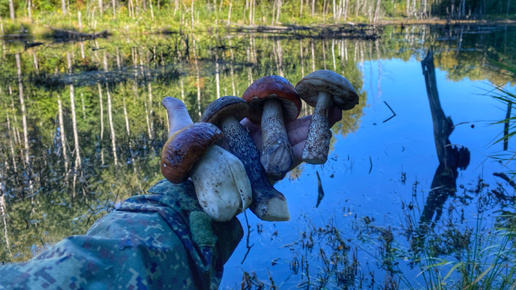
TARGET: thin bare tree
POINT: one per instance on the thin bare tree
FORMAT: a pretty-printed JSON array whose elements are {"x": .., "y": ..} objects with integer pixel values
[
  {"x": 11, "y": 10},
  {"x": 74, "y": 118}
]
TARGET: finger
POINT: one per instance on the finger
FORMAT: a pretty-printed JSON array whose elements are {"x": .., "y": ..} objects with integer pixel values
[
  {"x": 298, "y": 129},
  {"x": 178, "y": 116},
  {"x": 255, "y": 131},
  {"x": 297, "y": 152},
  {"x": 334, "y": 115}
]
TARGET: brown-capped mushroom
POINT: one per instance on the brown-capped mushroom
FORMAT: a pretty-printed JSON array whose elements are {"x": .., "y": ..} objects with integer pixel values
[
  {"x": 226, "y": 112},
  {"x": 273, "y": 100},
  {"x": 220, "y": 181},
  {"x": 321, "y": 89}
]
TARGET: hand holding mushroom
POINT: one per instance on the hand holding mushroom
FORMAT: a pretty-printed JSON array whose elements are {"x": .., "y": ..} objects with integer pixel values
[{"x": 221, "y": 183}]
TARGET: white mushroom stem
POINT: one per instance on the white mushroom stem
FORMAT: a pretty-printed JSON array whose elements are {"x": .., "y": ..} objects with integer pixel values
[
  {"x": 178, "y": 116},
  {"x": 276, "y": 156},
  {"x": 222, "y": 187},
  {"x": 319, "y": 134}
]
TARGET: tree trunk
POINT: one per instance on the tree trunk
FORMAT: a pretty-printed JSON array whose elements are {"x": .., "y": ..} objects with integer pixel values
[
  {"x": 63, "y": 7},
  {"x": 101, "y": 124},
  {"x": 126, "y": 119},
  {"x": 111, "y": 125},
  {"x": 151, "y": 9},
  {"x": 62, "y": 133},
  {"x": 217, "y": 76},
  {"x": 3, "y": 212},
  {"x": 198, "y": 79},
  {"x": 192, "y": 8},
  {"x": 334, "y": 12},
  {"x": 11, "y": 132},
  {"x": 101, "y": 8},
  {"x": 301, "y": 58},
  {"x": 301, "y": 10},
  {"x": 313, "y": 54},
  {"x": 11, "y": 9},
  {"x": 273, "y": 12},
  {"x": 278, "y": 11},
  {"x": 24, "y": 114},
  {"x": 231, "y": 68},
  {"x": 74, "y": 118},
  {"x": 29, "y": 9},
  {"x": 376, "y": 11},
  {"x": 151, "y": 110},
  {"x": 229, "y": 12}
]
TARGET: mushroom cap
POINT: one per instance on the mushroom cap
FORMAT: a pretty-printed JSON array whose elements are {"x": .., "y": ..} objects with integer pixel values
[
  {"x": 344, "y": 95},
  {"x": 226, "y": 106},
  {"x": 269, "y": 87},
  {"x": 185, "y": 147}
]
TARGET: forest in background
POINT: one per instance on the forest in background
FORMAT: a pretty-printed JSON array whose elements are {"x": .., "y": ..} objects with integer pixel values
[{"x": 191, "y": 14}]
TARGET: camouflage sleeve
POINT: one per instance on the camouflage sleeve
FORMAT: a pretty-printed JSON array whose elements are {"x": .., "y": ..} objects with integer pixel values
[{"x": 160, "y": 240}]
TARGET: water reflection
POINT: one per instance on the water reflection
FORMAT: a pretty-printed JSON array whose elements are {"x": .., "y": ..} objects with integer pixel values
[
  {"x": 81, "y": 125},
  {"x": 451, "y": 158}
]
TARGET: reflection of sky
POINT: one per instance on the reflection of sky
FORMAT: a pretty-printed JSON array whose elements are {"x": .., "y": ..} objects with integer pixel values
[{"x": 404, "y": 144}]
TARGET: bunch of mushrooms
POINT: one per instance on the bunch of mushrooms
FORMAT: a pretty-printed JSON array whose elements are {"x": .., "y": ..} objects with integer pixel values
[
  {"x": 268, "y": 203},
  {"x": 272, "y": 101},
  {"x": 220, "y": 180},
  {"x": 321, "y": 89}
]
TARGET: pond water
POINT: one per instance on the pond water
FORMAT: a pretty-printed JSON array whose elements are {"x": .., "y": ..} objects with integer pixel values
[{"x": 82, "y": 128}]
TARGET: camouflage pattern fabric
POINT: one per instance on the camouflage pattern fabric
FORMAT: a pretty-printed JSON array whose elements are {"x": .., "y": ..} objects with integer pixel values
[{"x": 162, "y": 240}]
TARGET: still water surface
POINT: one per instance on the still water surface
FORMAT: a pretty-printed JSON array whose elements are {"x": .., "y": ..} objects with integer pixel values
[{"x": 82, "y": 128}]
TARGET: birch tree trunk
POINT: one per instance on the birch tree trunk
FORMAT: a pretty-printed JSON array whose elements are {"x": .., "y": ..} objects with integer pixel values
[
  {"x": 126, "y": 119},
  {"x": 278, "y": 10},
  {"x": 376, "y": 11},
  {"x": 111, "y": 125},
  {"x": 11, "y": 10},
  {"x": 11, "y": 132},
  {"x": 101, "y": 124},
  {"x": 301, "y": 10},
  {"x": 217, "y": 75},
  {"x": 198, "y": 78},
  {"x": 74, "y": 118},
  {"x": 62, "y": 133},
  {"x": 24, "y": 114},
  {"x": 63, "y": 7},
  {"x": 29, "y": 9},
  {"x": 3, "y": 211}
]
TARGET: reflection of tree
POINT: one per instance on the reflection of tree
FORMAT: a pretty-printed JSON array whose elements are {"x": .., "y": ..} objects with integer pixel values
[
  {"x": 450, "y": 157},
  {"x": 137, "y": 77}
]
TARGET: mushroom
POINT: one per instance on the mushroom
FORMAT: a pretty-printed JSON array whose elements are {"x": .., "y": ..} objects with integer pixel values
[
  {"x": 268, "y": 203},
  {"x": 220, "y": 180},
  {"x": 273, "y": 99},
  {"x": 321, "y": 89}
]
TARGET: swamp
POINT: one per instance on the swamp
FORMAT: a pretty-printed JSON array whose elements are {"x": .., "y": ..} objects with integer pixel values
[{"x": 417, "y": 191}]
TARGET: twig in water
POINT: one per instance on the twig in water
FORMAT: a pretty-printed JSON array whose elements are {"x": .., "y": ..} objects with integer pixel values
[
  {"x": 371, "y": 164},
  {"x": 393, "y": 113},
  {"x": 247, "y": 238}
]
